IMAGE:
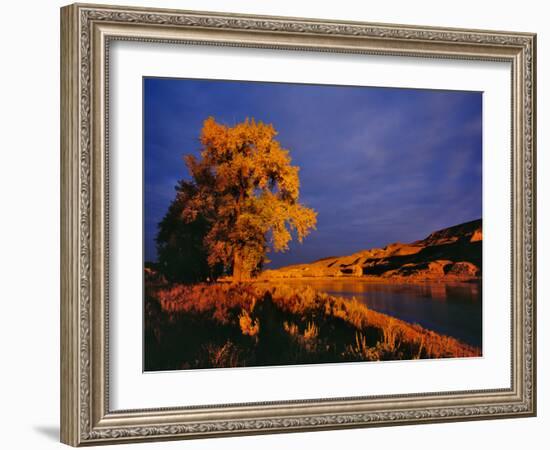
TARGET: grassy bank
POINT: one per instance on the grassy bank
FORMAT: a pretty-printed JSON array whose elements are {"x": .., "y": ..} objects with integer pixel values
[{"x": 224, "y": 325}]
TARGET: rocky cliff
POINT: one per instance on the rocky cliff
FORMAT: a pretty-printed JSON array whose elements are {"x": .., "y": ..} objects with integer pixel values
[{"x": 454, "y": 253}]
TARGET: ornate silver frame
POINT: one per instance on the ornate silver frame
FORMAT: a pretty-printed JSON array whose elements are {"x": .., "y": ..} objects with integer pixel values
[{"x": 86, "y": 31}]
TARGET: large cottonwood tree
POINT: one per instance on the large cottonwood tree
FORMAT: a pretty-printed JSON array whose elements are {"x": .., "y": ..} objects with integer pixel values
[{"x": 244, "y": 193}]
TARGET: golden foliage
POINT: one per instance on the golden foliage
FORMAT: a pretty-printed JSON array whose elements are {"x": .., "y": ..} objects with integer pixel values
[{"x": 249, "y": 191}]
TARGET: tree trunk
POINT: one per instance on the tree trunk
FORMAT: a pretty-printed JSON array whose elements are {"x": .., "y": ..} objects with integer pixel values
[
  {"x": 239, "y": 272},
  {"x": 237, "y": 267}
]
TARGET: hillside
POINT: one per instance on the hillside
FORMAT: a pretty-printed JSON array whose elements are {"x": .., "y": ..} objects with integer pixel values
[{"x": 453, "y": 253}]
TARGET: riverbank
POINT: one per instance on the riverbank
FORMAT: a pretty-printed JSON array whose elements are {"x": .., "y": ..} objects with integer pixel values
[
  {"x": 253, "y": 324},
  {"x": 372, "y": 279}
]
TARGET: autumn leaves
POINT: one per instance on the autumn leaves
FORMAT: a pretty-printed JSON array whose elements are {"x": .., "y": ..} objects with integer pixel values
[{"x": 242, "y": 200}]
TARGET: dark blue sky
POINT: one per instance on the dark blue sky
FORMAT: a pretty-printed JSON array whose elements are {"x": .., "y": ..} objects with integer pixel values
[{"x": 379, "y": 165}]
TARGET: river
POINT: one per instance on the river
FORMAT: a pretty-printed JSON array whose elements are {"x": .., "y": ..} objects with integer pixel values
[{"x": 453, "y": 309}]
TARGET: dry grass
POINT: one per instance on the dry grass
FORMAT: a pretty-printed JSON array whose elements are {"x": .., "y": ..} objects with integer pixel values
[{"x": 223, "y": 325}]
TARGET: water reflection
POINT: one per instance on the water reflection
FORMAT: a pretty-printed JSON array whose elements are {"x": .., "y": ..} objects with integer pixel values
[{"x": 453, "y": 309}]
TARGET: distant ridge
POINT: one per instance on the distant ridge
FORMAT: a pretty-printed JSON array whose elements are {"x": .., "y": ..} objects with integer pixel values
[{"x": 453, "y": 253}]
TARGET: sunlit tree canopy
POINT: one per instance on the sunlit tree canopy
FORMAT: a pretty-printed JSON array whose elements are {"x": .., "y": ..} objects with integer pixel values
[{"x": 244, "y": 193}]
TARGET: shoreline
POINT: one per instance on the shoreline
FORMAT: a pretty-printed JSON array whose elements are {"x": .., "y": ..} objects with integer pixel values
[
  {"x": 362, "y": 279},
  {"x": 319, "y": 284}
]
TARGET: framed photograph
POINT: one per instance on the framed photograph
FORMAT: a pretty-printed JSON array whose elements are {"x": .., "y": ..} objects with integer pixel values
[{"x": 275, "y": 224}]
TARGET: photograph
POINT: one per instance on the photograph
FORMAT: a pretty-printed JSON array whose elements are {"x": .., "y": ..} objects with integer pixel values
[{"x": 288, "y": 224}]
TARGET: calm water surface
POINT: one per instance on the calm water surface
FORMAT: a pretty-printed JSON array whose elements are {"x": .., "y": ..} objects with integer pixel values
[{"x": 453, "y": 309}]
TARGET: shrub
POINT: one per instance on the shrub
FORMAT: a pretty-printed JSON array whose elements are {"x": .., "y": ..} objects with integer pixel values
[{"x": 249, "y": 327}]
